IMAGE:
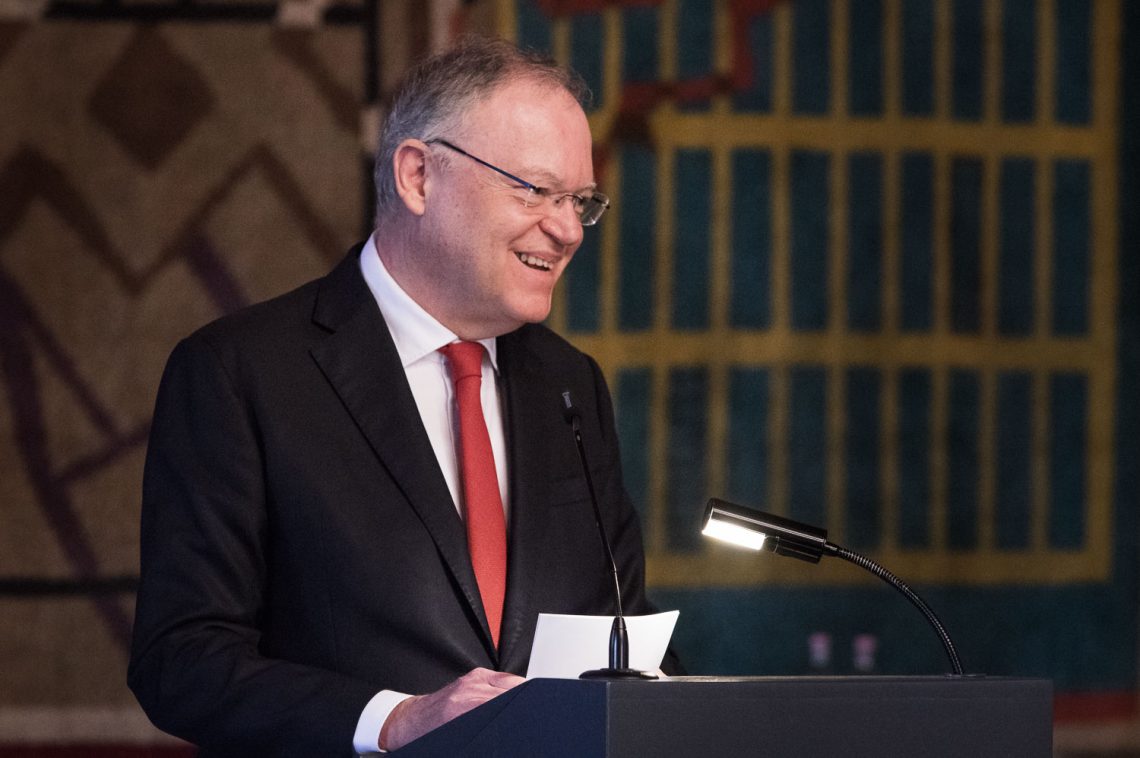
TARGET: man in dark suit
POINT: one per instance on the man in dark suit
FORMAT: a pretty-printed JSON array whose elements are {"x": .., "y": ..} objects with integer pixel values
[{"x": 308, "y": 585}]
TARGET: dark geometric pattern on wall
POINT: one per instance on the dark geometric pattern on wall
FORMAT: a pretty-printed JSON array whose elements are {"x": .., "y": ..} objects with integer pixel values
[{"x": 160, "y": 164}]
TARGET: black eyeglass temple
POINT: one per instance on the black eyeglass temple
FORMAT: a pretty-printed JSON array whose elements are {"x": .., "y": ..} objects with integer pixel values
[{"x": 595, "y": 197}]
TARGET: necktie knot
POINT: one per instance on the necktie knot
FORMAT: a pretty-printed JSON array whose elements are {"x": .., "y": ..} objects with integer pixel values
[{"x": 465, "y": 360}]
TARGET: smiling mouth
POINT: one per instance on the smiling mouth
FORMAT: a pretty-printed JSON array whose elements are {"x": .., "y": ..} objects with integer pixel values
[{"x": 531, "y": 261}]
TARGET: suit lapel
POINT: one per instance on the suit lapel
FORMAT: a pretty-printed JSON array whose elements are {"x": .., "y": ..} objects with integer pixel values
[
  {"x": 529, "y": 428},
  {"x": 360, "y": 361}
]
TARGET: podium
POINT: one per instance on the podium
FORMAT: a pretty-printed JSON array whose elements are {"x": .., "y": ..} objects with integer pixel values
[{"x": 770, "y": 717}]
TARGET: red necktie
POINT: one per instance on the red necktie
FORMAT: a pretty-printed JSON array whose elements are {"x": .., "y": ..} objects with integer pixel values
[{"x": 483, "y": 504}]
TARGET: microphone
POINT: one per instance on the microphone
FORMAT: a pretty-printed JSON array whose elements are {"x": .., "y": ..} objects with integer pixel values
[{"x": 619, "y": 636}]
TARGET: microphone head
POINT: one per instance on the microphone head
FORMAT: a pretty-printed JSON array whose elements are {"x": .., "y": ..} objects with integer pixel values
[{"x": 569, "y": 412}]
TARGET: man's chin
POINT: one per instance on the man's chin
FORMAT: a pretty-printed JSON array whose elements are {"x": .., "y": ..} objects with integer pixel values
[{"x": 534, "y": 312}]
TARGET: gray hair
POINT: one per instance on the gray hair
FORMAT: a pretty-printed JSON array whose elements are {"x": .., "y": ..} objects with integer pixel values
[{"x": 436, "y": 93}]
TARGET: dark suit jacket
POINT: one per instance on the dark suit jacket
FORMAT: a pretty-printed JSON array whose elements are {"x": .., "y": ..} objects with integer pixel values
[{"x": 300, "y": 548}]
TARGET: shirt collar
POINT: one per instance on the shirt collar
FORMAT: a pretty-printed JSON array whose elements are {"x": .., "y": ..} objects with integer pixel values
[{"x": 416, "y": 332}]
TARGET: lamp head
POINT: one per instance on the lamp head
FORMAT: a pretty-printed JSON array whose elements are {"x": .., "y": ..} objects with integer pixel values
[{"x": 761, "y": 531}]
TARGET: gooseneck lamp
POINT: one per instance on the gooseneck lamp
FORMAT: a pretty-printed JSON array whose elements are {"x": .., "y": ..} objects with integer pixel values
[{"x": 758, "y": 531}]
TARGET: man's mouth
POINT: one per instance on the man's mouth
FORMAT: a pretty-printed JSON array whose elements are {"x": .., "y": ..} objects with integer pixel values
[{"x": 532, "y": 261}]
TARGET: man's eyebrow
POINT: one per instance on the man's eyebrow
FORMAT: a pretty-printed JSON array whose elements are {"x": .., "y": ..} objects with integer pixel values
[
  {"x": 552, "y": 184},
  {"x": 549, "y": 181}
]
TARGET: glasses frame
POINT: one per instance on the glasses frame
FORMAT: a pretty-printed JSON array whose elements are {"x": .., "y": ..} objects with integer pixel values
[{"x": 586, "y": 217}]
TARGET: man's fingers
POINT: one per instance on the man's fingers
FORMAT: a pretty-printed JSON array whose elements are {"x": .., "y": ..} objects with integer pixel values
[
  {"x": 503, "y": 680},
  {"x": 417, "y": 716}
]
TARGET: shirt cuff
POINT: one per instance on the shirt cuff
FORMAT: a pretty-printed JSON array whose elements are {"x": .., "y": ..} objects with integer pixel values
[{"x": 367, "y": 738}]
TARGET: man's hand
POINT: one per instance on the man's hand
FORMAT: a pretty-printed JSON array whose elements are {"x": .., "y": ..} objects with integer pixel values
[{"x": 418, "y": 715}]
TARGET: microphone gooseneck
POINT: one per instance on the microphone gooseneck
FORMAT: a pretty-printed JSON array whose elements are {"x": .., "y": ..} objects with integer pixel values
[
  {"x": 575, "y": 420},
  {"x": 619, "y": 635}
]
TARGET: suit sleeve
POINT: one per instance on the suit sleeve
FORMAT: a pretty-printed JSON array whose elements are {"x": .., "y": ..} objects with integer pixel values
[{"x": 195, "y": 663}]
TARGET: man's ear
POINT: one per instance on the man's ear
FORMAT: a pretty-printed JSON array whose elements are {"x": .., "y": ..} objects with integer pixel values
[{"x": 409, "y": 165}]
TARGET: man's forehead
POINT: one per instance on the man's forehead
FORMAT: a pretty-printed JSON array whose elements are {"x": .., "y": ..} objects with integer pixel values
[
  {"x": 534, "y": 129},
  {"x": 528, "y": 99}
]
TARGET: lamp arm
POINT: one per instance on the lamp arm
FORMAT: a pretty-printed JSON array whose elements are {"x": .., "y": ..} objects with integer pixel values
[{"x": 908, "y": 593}]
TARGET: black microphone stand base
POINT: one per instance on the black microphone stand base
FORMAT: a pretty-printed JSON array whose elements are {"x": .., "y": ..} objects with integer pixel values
[{"x": 615, "y": 674}]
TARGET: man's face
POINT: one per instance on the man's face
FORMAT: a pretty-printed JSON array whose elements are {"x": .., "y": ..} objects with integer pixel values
[{"x": 494, "y": 262}]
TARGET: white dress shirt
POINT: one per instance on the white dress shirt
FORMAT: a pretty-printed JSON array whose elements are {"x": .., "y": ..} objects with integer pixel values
[{"x": 418, "y": 337}]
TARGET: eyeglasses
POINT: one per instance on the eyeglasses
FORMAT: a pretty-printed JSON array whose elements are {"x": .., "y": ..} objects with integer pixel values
[{"x": 589, "y": 206}]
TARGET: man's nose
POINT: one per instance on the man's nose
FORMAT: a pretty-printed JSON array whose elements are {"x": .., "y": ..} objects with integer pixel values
[{"x": 562, "y": 223}]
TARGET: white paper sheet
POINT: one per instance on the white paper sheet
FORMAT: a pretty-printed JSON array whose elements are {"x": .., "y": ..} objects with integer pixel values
[{"x": 565, "y": 646}]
